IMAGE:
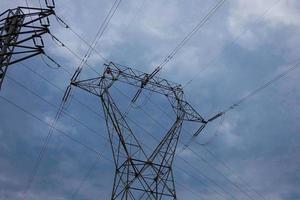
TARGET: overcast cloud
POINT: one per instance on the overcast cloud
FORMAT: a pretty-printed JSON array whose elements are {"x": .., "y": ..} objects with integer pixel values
[{"x": 243, "y": 45}]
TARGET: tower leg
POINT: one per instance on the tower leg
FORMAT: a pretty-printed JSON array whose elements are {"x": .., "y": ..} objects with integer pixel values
[{"x": 136, "y": 175}]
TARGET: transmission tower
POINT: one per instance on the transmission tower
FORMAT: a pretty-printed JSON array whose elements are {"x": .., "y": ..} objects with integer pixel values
[
  {"x": 21, "y": 31},
  {"x": 139, "y": 175}
]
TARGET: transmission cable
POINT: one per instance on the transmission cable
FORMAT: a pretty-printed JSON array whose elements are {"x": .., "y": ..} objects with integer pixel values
[
  {"x": 192, "y": 138},
  {"x": 85, "y": 177},
  {"x": 60, "y": 89},
  {"x": 57, "y": 129},
  {"x": 194, "y": 30},
  {"x": 67, "y": 26},
  {"x": 46, "y": 142},
  {"x": 85, "y": 58},
  {"x": 53, "y": 105},
  {"x": 237, "y": 186},
  {"x": 43, "y": 150},
  {"x": 179, "y": 46},
  {"x": 259, "y": 18},
  {"x": 259, "y": 89},
  {"x": 231, "y": 170},
  {"x": 262, "y": 87},
  {"x": 57, "y": 41},
  {"x": 99, "y": 34}
]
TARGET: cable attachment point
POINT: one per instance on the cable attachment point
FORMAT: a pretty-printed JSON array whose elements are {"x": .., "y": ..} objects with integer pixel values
[
  {"x": 52, "y": 60},
  {"x": 144, "y": 82},
  {"x": 62, "y": 22},
  {"x": 50, "y": 4},
  {"x": 199, "y": 130},
  {"x": 38, "y": 41},
  {"x": 205, "y": 122},
  {"x": 216, "y": 116}
]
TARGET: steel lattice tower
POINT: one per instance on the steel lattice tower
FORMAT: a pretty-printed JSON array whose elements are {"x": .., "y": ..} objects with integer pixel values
[
  {"x": 21, "y": 31},
  {"x": 138, "y": 175}
]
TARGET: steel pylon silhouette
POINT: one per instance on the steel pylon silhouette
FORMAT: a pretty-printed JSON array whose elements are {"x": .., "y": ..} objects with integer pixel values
[
  {"x": 21, "y": 31},
  {"x": 138, "y": 175}
]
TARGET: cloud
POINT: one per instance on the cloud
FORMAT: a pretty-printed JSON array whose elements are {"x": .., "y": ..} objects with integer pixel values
[
  {"x": 258, "y": 140},
  {"x": 261, "y": 17}
]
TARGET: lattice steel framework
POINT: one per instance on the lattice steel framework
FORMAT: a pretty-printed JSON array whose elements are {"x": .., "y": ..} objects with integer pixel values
[
  {"x": 138, "y": 175},
  {"x": 21, "y": 31}
]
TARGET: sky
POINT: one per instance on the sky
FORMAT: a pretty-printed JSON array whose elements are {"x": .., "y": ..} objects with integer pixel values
[{"x": 252, "y": 152}]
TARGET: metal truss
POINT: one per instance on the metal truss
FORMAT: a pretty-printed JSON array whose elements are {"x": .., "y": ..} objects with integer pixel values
[
  {"x": 21, "y": 31},
  {"x": 138, "y": 175}
]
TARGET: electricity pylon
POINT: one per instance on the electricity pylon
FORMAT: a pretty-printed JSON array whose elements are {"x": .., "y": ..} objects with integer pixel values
[
  {"x": 138, "y": 175},
  {"x": 21, "y": 31}
]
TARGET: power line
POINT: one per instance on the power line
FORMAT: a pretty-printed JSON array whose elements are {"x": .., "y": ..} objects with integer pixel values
[
  {"x": 87, "y": 174},
  {"x": 231, "y": 170},
  {"x": 42, "y": 151},
  {"x": 85, "y": 58},
  {"x": 60, "y": 89},
  {"x": 262, "y": 87},
  {"x": 66, "y": 25},
  {"x": 179, "y": 46},
  {"x": 223, "y": 175},
  {"x": 194, "y": 30},
  {"x": 53, "y": 105},
  {"x": 100, "y": 32},
  {"x": 135, "y": 14},
  {"x": 33, "y": 174},
  {"x": 215, "y": 134},
  {"x": 232, "y": 42},
  {"x": 57, "y": 41},
  {"x": 57, "y": 129}
]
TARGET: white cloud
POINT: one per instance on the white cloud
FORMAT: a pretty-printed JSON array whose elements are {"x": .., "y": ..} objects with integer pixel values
[{"x": 254, "y": 19}]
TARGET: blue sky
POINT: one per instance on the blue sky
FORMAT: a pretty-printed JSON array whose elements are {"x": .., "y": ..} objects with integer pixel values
[{"x": 244, "y": 44}]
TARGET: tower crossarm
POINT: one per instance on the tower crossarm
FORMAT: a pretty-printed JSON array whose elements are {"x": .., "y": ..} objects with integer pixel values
[
  {"x": 21, "y": 31},
  {"x": 114, "y": 72},
  {"x": 171, "y": 90}
]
